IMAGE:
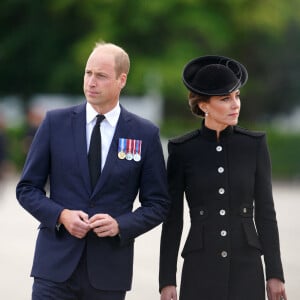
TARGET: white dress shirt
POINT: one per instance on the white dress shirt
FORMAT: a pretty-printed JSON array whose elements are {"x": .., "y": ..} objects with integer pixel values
[{"x": 107, "y": 128}]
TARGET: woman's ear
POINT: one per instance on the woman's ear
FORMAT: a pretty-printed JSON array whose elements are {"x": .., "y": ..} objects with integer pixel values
[{"x": 203, "y": 106}]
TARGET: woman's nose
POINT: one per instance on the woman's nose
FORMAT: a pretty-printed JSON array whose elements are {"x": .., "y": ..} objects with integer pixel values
[{"x": 235, "y": 102}]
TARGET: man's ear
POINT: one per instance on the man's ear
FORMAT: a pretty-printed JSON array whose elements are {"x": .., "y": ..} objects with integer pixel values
[{"x": 123, "y": 79}]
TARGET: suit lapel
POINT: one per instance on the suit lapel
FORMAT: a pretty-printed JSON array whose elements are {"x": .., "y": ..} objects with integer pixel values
[
  {"x": 122, "y": 130},
  {"x": 79, "y": 135}
]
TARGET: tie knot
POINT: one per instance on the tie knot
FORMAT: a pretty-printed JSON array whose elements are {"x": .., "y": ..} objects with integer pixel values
[{"x": 100, "y": 118}]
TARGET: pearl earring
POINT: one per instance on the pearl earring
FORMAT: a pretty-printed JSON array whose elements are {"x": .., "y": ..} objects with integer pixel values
[{"x": 206, "y": 114}]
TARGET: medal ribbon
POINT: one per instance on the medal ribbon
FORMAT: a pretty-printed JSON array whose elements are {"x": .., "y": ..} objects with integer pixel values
[
  {"x": 121, "y": 145},
  {"x": 139, "y": 147},
  {"x": 129, "y": 146},
  {"x": 134, "y": 146}
]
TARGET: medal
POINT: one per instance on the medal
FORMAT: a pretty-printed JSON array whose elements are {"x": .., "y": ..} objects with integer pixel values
[
  {"x": 137, "y": 150},
  {"x": 137, "y": 157},
  {"x": 129, "y": 155},
  {"x": 122, "y": 147},
  {"x": 121, "y": 155},
  {"x": 130, "y": 149}
]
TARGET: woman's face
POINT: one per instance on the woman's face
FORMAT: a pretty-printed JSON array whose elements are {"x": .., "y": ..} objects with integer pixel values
[{"x": 222, "y": 111}]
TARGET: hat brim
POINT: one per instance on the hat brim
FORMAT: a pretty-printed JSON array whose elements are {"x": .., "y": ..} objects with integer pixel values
[{"x": 190, "y": 70}]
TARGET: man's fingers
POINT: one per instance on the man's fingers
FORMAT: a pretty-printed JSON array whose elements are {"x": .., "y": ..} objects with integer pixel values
[
  {"x": 98, "y": 217},
  {"x": 104, "y": 225},
  {"x": 103, "y": 231},
  {"x": 100, "y": 220},
  {"x": 83, "y": 216}
]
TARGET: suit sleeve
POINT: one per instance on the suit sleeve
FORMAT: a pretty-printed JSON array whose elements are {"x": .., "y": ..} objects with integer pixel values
[
  {"x": 30, "y": 190},
  {"x": 172, "y": 227},
  {"x": 153, "y": 194},
  {"x": 265, "y": 215}
]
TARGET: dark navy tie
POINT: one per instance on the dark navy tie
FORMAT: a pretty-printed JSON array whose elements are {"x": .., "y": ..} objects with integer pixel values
[{"x": 94, "y": 155}]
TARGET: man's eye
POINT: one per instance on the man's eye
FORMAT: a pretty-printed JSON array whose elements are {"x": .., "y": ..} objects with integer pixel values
[{"x": 101, "y": 76}]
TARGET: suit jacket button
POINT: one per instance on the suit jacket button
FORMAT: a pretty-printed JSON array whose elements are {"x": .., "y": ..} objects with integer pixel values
[
  {"x": 92, "y": 204},
  {"x": 201, "y": 212}
]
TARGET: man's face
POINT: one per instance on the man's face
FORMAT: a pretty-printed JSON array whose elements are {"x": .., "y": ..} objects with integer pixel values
[{"x": 101, "y": 86}]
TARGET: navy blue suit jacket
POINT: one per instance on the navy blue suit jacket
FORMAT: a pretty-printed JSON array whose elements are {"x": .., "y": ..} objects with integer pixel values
[{"x": 59, "y": 153}]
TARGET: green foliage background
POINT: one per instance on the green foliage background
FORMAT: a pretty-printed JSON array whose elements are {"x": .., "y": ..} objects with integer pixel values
[{"x": 44, "y": 46}]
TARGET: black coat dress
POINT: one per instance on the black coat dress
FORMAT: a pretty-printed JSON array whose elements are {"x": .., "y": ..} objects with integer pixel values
[{"x": 227, "y": 184}]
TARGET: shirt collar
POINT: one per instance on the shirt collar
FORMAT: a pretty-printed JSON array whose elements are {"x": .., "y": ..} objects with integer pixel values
[{"x": 111, "y": 117}]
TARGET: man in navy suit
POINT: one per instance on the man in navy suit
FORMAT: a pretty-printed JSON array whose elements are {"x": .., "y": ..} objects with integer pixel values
[{"x": 84, "y": 249}]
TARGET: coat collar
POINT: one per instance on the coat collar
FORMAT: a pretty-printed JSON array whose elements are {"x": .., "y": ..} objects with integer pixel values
[{"x": 211, "y": 135}]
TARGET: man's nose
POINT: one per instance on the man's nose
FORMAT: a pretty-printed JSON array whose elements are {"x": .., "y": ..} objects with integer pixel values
[{"x": 92, "y": 81}]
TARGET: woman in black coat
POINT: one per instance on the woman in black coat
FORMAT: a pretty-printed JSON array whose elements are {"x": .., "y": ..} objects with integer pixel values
[{"x": 225, "y": 173}]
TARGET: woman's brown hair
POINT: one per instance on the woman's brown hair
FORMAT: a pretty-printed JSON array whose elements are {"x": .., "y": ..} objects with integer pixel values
[{"x": 194, "y": 100}]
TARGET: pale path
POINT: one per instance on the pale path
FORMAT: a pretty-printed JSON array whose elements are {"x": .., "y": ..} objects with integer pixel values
[{"x": 18, "y": 232}]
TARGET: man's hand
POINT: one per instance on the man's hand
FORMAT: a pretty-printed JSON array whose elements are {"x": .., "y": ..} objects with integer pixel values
[
  {"x": 104, "y": 225},
  {"x": 75, "y": 221}
]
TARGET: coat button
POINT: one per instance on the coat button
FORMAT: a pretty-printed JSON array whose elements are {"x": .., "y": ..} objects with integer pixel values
[
  {"x": 224, "y": 254},
  {"x": 221, "y": 191},
  {"x": 223, "y": 233},
  {"x": 222, "y": 212},
  {"x": 245, "y": 210},
  {"x": 201, "y": 212},
  {"x": 220, "y": 170},
  {"x": 219, "y": 148}
]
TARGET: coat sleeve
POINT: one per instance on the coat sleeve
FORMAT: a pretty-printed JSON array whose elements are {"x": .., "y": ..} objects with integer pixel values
[
  {"x": 153, "y": 195},
  {"x": 265, "y": 215},
  {"x": 172, "y": 227},
  {"x": 30, "y": 190}
]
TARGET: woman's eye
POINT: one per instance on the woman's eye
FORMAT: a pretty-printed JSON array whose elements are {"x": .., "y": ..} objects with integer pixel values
[{"x": 225, "y": 99}]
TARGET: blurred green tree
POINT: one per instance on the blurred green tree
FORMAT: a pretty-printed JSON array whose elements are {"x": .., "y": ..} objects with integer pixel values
[{"x": 44, "y": 45}]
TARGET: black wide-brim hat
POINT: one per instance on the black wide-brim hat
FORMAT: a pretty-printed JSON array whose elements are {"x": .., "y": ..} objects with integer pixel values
[{"x": 214, "y": 75}]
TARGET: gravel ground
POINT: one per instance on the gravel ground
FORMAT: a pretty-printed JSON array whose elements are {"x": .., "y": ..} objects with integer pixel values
[{"x": 18, "y": 232}]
